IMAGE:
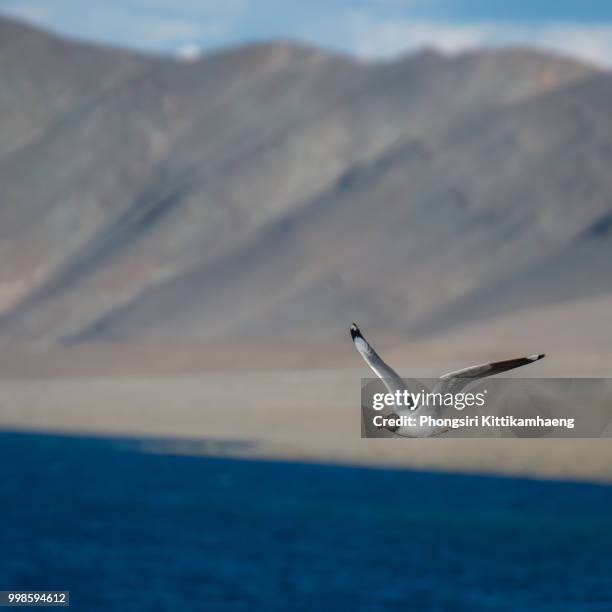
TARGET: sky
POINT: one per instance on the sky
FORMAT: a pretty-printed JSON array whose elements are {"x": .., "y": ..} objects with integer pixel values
[{"x": 370, "y": 29}]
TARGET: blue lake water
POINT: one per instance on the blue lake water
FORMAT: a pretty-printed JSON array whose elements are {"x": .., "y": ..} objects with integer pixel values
[{"x": 125, "y": 530}]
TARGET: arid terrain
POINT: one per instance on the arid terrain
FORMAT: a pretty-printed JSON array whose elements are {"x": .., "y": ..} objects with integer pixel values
[{"x": 294, "y": 400}]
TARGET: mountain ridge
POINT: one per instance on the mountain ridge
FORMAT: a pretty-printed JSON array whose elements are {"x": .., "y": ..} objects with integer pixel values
[{"x": 180, "y": 172}]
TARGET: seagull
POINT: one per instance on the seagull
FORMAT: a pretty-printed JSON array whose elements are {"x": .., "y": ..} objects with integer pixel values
[{"x": 452, "y": 382}]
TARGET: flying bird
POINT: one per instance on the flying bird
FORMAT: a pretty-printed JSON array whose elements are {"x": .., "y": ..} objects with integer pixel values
[{"x": 452, "y": 382}]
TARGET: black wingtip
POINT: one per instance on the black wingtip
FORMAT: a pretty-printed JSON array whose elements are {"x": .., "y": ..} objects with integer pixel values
[
  {"x": 355, "y": 333},
  {"x": 537, "y": 357}
]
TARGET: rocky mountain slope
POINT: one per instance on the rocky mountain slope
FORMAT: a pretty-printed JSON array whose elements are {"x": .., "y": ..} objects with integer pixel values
[{"x": 277, "y": 190}]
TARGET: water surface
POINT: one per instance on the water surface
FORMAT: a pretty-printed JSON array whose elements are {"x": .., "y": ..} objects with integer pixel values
[{"x": 126, "y": 530}]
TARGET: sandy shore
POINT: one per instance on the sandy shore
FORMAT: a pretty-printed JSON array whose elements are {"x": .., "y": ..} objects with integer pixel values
[{"x": 278, "y": 401}]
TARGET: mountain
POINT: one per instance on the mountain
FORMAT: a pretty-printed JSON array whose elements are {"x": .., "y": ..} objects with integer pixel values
[{"x": 277, "y": 189}]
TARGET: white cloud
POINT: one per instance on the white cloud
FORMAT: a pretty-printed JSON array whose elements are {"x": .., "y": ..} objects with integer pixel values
[
  {"x": 592, "y": 43},
  {"x": 371, "y": 38},
  {"x": 188, "y": 53}
]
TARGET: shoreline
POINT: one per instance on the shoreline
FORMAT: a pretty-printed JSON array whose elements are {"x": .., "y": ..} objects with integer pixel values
[
  {"x": 306, "y": 409},
  {"x": 251, "y": 450},
  {"x": 550, "y": 460}
]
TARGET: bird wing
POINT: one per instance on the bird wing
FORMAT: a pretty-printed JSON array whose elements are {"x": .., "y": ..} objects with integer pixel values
[
  {"x": 454, "y": 382},
  {"x": 389, "y": 376}
]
